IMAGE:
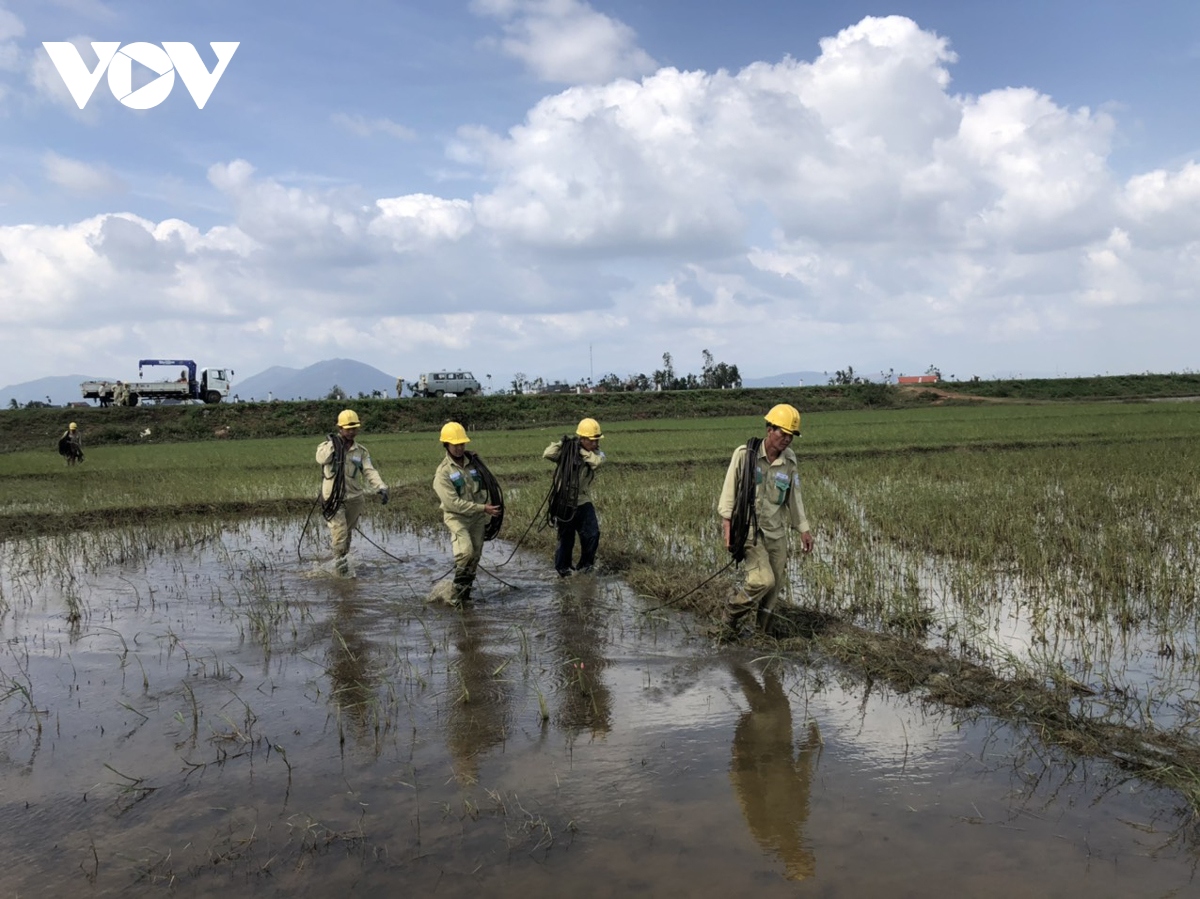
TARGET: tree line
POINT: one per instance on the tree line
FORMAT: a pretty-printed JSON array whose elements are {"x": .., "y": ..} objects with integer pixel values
[{"x": 713, "y": 376}]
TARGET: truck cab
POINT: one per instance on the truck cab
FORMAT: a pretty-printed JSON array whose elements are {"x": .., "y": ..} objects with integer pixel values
[{"x": 214, "y": 385}]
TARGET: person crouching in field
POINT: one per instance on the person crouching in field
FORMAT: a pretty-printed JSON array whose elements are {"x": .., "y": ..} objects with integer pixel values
[
  {"x": 70, "y": 446},
  {"x": 571, "y": 508},
  {"x": 345, "y": 465},
  {"x": 759, "y": 501},
  {"x": 460, "y": 488}
]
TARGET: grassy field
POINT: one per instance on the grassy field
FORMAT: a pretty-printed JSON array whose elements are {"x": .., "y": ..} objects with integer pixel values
[
  {"x": 1104, "y": 388},
  {"x": 1053, "y": 546},
  {"x": 1094, "y": 504}
]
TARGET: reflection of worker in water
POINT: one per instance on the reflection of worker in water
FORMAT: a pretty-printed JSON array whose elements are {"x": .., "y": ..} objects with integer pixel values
[
  {"x": 70, "y": 445},
  {"x": 583, "y": 699},
  {"x": 771, "y": 779},
  {"x": 479, "y": 696},
  {"x": 352, "y": 681}
]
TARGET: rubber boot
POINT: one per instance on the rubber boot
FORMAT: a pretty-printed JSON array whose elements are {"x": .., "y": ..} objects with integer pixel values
[
  {"x": 736, "y": 611},
  {"x": 461, "y": 593}
]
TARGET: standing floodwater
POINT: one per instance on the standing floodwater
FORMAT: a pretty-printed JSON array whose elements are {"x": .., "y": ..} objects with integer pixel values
[{"x": 201, "y": 710}]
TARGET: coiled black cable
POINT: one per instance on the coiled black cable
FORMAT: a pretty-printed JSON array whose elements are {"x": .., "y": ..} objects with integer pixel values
[
  {"x": 337, "y": 494},
  {"x": 563, "y": 498},
  {"x": 495, "y": 495},
  {"x": 743, "y": 523}
]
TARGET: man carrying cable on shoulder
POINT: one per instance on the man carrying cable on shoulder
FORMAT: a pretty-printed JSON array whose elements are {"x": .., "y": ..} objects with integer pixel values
[
  {"x": 759, "y": 501},
  {"x": 570, "y": 502},
  {"x": 462, "y": 483},
  {"x": 70, "y": 446},
  {"x": 345, "y": 465}
]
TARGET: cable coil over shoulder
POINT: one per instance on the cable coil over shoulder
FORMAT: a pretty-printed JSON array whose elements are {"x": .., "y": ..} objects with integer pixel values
[
  {"x": 563, "y": 498},
  {"x": 495, "y": 495},
  {"x": 744, "y": 521},
  {"x": 337, "y": 494}
]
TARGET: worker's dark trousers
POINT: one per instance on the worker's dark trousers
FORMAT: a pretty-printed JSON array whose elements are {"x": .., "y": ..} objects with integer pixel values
[{"x": 587, "y": 526}]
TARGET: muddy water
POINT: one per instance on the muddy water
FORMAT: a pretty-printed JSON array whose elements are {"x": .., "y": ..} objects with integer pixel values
[{"x": 225, "y": 719}]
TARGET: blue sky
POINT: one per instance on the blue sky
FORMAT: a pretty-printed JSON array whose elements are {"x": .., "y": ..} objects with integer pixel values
[{"x": 565, "y": 188}]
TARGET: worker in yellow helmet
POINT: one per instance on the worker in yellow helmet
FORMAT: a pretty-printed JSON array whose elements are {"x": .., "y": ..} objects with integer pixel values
[
  {"x": 759, "y": 501},
  {"x": 570, "y": 506},
  {"x": 70, "y": 445},
  {"x": 345, "y": 466},
  {"x": 460, "y": 489}
]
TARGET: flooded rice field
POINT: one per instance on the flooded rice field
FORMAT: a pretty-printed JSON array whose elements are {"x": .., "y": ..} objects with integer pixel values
[{"x": 210, "y": 712}]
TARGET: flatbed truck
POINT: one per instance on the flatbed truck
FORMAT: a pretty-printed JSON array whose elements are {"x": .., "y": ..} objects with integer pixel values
[{"x": 210, "y": 385}]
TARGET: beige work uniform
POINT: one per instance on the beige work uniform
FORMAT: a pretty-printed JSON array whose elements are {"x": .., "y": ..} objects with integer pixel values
[
  {"x": 778, "y": 504},
  {"x": 460, "y": 490},
  {"x": 358, "y": 468}
]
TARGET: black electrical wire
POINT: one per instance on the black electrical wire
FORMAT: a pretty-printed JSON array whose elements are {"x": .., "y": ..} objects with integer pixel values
[
  {"x": 743, "y": 524},
  {"x": 495, "y": 495},
  {"x": 337, "y": 494},
  {"x": 304, "y": 530},
  {"x": 563, "y": 498},
  {"x": 525, "y": 534}
]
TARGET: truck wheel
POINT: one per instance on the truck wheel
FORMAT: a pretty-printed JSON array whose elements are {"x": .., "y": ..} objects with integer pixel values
[
  {"x": 213, "y": 396},
  {"x": 467, "y": 392},
  {"x": 131, "y": 400},
  {"x": 438, "y": 393}
]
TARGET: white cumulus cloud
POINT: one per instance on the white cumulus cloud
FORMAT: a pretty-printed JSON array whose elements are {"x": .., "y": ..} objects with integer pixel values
[
  {"x": 793, "y": 214},
  {"x": 567, "y": 41}
]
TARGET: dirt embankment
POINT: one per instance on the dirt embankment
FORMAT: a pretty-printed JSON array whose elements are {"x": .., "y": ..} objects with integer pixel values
[
  {"x": 938, "y": 396},
  {"x": 25, "y": 429}
]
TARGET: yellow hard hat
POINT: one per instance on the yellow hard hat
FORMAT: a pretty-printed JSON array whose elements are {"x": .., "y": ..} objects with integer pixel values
[
  {"x": 784, "y": 417},
  {"x": 348, "y": 418},
  {"x": 589, "y": 428},
  {"x": 72, "y": 426},
  {"x": 453, "y": 432}
]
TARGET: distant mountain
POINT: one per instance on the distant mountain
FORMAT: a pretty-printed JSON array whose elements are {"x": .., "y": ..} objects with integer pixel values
[
  {"x": 790, "y": 379},
  {"x": 315, "y": 382},
  {"x": 61, "y": 389}
]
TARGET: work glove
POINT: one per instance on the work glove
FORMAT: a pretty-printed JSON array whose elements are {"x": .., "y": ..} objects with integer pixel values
[{"x": 383, "y": 496}]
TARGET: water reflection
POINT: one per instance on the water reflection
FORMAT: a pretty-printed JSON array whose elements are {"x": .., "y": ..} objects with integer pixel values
[
  {"x": 348, "y": 661},
  {"x": 584, "y": 701},
  {"x": 480, "y": 695},
  {"x": 771, "y": 778}
]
